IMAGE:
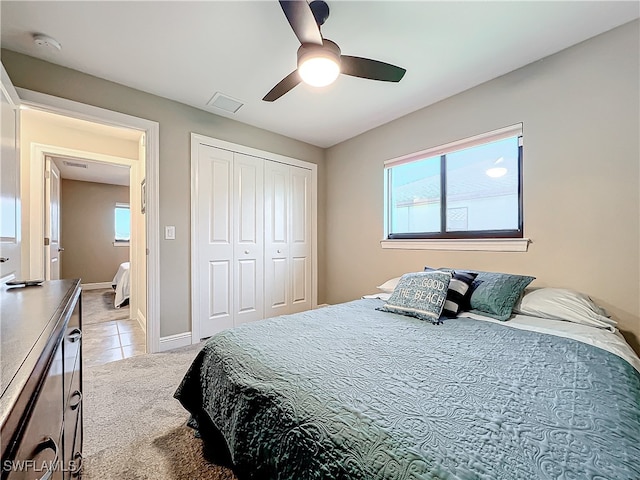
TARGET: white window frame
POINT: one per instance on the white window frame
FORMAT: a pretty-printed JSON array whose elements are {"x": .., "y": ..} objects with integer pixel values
[
  {"x": 466, "y": 244},
  {"x": 116, "y": 242}
]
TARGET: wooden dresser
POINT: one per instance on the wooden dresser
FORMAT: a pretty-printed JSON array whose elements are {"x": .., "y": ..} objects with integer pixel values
[{"x": 41, "y": 373}]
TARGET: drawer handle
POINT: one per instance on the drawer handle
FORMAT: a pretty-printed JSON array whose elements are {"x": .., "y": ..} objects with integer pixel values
[
  {"x": 78, "y": 394},
  {"x": 77, "y": 460},
  {"x": 75, "y": 335},
  {"x": 49, "y": 444}
]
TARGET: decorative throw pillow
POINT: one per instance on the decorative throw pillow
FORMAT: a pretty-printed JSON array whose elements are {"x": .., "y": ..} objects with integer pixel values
[
  {"x": 420, "y": 294},
  {"x": 458, "y": 293},
  {"x": 495, "y": 294}
]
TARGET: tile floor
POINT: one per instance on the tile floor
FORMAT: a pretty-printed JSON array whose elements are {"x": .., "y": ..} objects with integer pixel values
[{"x": 112, "y": 340}]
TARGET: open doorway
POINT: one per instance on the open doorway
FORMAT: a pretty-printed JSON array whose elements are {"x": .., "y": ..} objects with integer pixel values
[
  {"x": 76, "y": 155},
  {"x": 89, "y": 227},
  {"x": 147, "y": 181}
]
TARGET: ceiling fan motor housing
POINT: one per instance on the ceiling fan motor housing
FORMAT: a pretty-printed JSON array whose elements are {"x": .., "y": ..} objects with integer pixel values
[{"x": 328, "y": 49}]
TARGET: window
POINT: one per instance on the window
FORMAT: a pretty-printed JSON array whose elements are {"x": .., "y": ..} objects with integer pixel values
[
  {"x": 467, "y": 189},
  {"x": 122, "y": 222}
]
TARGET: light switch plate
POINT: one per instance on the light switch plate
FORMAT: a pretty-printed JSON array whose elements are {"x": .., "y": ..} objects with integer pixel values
[{"x": 169, "y": 232}]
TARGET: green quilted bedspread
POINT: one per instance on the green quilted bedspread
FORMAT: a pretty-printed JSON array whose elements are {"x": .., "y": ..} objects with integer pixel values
[{"x": 348, "y": 392}]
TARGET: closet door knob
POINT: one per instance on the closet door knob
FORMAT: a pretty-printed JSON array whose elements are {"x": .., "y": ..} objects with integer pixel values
[
  {"x": 279, "y": 251},
  {"x": 246, "y": 252}
]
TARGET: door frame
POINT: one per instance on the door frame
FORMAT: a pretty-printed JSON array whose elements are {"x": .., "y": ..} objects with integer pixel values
[
  {"x": 197, "y": 140},
  {"x": 151, "y": 129}
]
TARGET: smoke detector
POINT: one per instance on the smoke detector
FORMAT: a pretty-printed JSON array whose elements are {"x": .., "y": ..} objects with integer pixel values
[{"x": 46, "y": 41}]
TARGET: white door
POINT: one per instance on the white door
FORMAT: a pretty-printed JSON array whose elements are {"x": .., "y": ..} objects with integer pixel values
[
  {"x": 214, "y": 231},
  {"x": 276, "y": 239},
  {"x": 248, "y": 273},
  {"x": 288, "y": 241},
  {"x": 9, "y": 183},
  {"x": 52, "y": 220}
]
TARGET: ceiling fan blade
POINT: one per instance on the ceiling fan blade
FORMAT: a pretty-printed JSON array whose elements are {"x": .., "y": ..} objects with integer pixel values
[
  {"x": 286, "y": 84},
  {"x": 371, "y": 69},
  {"x": 302, "y": 21}
]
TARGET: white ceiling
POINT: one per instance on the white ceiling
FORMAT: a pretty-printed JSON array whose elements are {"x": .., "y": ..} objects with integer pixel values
[
  {"x": 94, "y": 172},
  {"x": 188, "y": 51}
]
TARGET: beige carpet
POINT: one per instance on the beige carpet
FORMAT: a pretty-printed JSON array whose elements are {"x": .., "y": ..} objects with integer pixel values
[
  {"x": 133, "y": 427},
  {"x": 97, "y": 307}
]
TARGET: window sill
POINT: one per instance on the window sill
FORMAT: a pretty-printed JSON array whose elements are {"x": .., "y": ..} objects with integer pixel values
[
  {"x": 462, "y": 244},
  {"x": 120, "y": 244}
]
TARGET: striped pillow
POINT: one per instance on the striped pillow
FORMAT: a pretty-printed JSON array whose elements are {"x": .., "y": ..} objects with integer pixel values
[{"x": 458, "y": 293}]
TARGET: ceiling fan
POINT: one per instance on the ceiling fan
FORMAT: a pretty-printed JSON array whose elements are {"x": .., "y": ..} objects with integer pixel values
[{"x": 319, "y": 59}]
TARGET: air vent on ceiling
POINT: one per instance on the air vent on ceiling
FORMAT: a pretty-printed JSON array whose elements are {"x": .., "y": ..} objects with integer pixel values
[
  {"x": 74, "y": 164},
  {"x": 225, "y": 102}
]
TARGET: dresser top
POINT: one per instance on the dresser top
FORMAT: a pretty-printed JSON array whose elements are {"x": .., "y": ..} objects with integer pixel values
[{"x": 29, "y": 316}]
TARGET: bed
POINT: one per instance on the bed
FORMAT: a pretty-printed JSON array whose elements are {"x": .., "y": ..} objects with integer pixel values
[
  {"x": 352, "y": 392},
  {"x": 121, "y": 284}
]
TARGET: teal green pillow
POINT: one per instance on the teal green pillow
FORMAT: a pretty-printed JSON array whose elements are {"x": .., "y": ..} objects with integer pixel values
[
  {"x": 495, "y": 294},
  {"x": 419, "y": 294}
]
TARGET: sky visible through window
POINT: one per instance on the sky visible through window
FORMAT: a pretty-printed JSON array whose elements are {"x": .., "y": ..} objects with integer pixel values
[{"x": 123, "y": 223}]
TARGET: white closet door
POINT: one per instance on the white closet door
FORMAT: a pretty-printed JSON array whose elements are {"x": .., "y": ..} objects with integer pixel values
[
  {"x": 287, "y": 239},
  {"x": 300, "y": 239},
  {"x": 248, "y": 255},
  {"x": 276, "y": 239},
  {"x": 215, "y": 239}
]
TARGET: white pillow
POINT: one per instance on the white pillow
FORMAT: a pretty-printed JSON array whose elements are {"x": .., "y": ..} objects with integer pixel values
[
  {"x": 563, "y": 304},
  {"x": 389, "y": 286}
]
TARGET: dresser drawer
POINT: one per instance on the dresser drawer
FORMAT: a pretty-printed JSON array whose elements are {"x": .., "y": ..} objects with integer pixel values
[{"x": 40, "y": 449}]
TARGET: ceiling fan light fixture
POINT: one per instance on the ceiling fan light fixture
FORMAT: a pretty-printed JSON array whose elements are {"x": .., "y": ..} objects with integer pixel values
[
  {"x": 319, "y": 71},
  {"x": 319, "y": 65}
]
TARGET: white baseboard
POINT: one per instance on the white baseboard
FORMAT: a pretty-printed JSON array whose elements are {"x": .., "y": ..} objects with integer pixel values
[
  {"x": 96, "y": 286},
  {"x": 175, "y": 341},
  {"x": 142, "y": 321}
]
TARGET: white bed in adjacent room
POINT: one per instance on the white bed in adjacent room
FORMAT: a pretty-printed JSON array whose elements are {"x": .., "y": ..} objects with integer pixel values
[{"x": 121, "y": 284}]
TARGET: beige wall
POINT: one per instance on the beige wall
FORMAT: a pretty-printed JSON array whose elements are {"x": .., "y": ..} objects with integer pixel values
[
  {"x": 176, "y": 121},
  {"x": 87, "y": 230},
  {"x": 580, "y": 110}
]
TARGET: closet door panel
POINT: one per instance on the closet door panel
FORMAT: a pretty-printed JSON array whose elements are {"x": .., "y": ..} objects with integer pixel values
[
  {"x": 276, "y": 234},
  {"x": 215, "y": 239},
  {"x": 299, "y": 280},
  {"x": 249, "y": 235},
  {"x": 300, "y": 242},
  {"x": 277, "y": 284},
  {"x": 219, "y": 288}
]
